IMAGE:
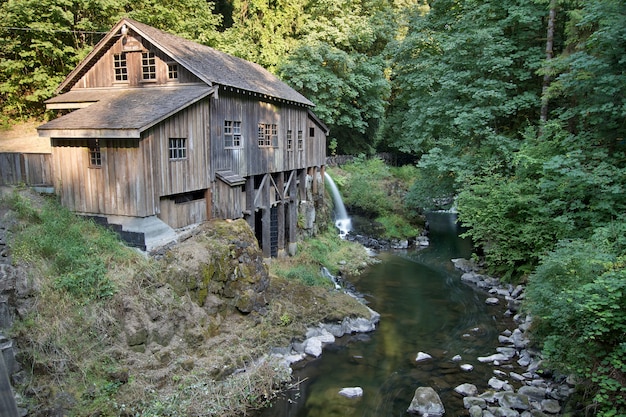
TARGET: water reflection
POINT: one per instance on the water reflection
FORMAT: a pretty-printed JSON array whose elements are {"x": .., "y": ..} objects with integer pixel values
[{"x": 424, "y": 307}]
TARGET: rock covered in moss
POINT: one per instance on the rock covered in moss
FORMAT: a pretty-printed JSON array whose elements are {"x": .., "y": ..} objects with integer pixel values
[{"x": 222, "y": 259}]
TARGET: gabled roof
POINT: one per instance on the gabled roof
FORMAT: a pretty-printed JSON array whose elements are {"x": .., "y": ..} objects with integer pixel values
[
  {"x": 209, "y": 65},
  {"x": 124, "y": 113}
]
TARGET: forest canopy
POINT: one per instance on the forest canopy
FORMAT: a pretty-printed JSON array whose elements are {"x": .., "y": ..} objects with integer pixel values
[{"x": 515, "y": 112}]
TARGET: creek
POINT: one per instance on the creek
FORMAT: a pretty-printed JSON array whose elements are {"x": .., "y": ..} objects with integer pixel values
[{"x": 424, "y": 307}]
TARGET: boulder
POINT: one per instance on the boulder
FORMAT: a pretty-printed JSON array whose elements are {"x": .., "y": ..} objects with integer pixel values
[{"x": 426, "y": 402}]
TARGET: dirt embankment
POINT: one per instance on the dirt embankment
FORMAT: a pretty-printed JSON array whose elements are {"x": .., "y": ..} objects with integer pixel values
[{"x": 23, "y": 137}]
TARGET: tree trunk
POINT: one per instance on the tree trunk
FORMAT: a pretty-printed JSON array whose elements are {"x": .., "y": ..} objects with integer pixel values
[{"x": 549, "y": 54}]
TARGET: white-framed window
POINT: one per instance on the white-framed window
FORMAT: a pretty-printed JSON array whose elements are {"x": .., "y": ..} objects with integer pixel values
[
  {"x": 232, "y": 134},
  {"x": 172, "y": 71},
  {"x": 177, "y": 148},
  {"x": 148, "y": 66},
  {"x": 268, "y": 135},
  {"x": 120, "y": 67},
  {"x": 95, "y": 154},
  {"x": 289, "y": 140}
]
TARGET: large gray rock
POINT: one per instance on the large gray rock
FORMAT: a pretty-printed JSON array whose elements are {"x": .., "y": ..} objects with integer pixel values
[{"x": 426, "y": 402}]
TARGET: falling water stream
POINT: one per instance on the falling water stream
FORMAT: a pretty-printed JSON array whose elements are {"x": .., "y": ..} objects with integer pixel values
[
  {"x": 424, "y": 307},
  {"x": 342, "y": 220}
]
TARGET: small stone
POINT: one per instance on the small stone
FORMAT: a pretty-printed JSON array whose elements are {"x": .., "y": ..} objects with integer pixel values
[
  {"x": 467, "y": 367},
  {"x": 421, "y": 356},
  {"x": 467, "y": 390},
  {"x": 351, "y": 392},
  {"x": 469, "y": 402},
  {"x": 517, "y": 376},
  {"x": 492, "y": 301},
  {"x": 456, "y": 358},
  {"x": 496, "y": 383},
  {"x": 475, "y": 411},
  {"x": 551, "y": 406}
]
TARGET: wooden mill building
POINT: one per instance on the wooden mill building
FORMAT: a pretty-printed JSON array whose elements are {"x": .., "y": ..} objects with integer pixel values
[{"x": 163, "y": 133}]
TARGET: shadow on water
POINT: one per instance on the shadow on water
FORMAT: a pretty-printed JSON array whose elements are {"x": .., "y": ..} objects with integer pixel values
[{"x": 424, "y": 307}]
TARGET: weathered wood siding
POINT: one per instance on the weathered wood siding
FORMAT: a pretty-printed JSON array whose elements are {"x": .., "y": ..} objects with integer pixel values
[
  {"x": 183, "y": 214},
  {"x": 229, "y": 202},
  {"x": 250, "y": 159},
  {"x": 121, "y": 186},
  {"x": 33, "y": 169},
  {"x": 184, "y": 175},
  {"x": 102, "y": 74}
]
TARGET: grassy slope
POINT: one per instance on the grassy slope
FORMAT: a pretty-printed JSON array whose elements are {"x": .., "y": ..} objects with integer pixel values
[{"x": 74, "y": 338}]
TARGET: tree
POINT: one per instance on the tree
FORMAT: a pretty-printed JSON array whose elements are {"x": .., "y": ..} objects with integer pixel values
[
  {"x": 340, "y": 65},
  {"x": 43, "y": 40},
  {"x": 464, "y": 86}
]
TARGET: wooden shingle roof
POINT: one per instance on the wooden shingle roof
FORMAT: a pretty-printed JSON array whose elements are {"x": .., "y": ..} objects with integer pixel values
[
  {"x": 124, "y": 113},
  {"x": 208, "y": 64}
]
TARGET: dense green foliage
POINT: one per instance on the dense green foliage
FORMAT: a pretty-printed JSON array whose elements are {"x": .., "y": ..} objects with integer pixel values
[
  {"x": 457, "y": 85},
  {"x": 578, "y": 296}
]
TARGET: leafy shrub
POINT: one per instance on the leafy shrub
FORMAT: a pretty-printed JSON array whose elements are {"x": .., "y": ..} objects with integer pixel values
[{"x": 577, "y": 297}]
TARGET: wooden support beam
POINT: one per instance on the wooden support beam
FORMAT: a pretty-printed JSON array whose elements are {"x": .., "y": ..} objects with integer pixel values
[
  {"x": 280, "y": 184},
  {"x": 265, "y": 190},
  {"x": 293, "y": 210},
  {"x": 250, "y": 201}
]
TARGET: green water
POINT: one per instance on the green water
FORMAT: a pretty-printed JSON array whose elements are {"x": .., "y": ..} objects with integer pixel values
[{"x": 424, "y": 307}]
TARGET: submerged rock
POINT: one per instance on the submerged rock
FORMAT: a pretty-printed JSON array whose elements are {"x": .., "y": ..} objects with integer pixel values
[{"x": 351, "y": 392}]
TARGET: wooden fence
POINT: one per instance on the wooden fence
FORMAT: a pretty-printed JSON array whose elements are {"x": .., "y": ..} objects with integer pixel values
[{"x": 32, "y": 169}]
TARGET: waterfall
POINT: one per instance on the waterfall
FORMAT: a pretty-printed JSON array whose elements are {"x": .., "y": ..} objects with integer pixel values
[{"x": 342, "y": 221}]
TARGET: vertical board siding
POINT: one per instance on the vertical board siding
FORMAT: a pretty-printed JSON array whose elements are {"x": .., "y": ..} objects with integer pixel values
[
  {"x": 33, "y": 169},
  {"x": 115, "y": 188},
  {"x": 251, "y": 159},
  {"x": 191, "y": 173},
  {"x": 102, "y": 74}
]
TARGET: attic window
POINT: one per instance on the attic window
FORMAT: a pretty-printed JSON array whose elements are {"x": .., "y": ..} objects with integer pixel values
[
  {"x": 268, "y": 135},
  {"x": 232, "y": 134},
  {"x": 311, "y": 132},
  {"x": 121, "y": 70},
  {"x": 172, "y": 71},
  {"x": 95, "y": 156},
  {"x": 177, "y": 148},
  {"x": 148, "y": 66}
]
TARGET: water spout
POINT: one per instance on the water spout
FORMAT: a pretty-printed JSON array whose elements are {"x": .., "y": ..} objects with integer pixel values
[{"x": 342, "y": 221}]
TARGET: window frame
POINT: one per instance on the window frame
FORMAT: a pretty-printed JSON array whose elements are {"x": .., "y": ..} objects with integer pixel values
[
  {"x": 232, "y": 130},
  {"x": 148, "y": 66},
  {"x": 120, "y": 67},
  {"x": 177, "y": 149},
  {"x": 300, "y": 140},
  {"x": 267, "y": 135},
  {"x": 172, "y": 71},
  {"x": 95, "y": 153},
  {"x": 289, "y": 140}
]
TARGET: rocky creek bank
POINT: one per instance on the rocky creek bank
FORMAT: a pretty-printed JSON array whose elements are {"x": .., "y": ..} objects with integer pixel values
[{"x": 520, "y": 386}]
